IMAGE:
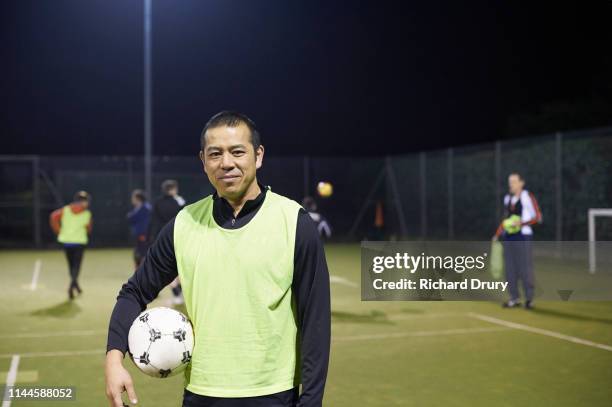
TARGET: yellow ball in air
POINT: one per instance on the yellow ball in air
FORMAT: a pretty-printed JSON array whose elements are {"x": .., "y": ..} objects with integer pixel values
[{"x": 325, "y": 189}]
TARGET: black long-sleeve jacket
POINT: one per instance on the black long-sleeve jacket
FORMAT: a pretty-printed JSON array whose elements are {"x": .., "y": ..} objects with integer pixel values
[
  {"x": 310, "y": 287},
  {"x": 163, "y": 211}
]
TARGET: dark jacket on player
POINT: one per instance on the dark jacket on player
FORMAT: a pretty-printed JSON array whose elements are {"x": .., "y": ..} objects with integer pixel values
[
  {"x": 139, "y": 219},
  {"x": 165, "y": 208}
]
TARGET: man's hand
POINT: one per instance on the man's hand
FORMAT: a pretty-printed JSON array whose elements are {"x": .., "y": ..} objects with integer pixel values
[
  {"x": 495, "y": 238},
  {"x": 118, "y": 379}
]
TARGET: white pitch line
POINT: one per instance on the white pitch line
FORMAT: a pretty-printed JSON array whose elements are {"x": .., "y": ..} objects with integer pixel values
[
  {"x": 51, "y": 334},
  {"x": 11, "y": 377},
  {"x": 341, "y": 280},
  {"x": 540, "y": 331},
  {"x": 56, "y": 354},
  {"x": 458, "y": 331},
  {"x": 37, "y": 265}
]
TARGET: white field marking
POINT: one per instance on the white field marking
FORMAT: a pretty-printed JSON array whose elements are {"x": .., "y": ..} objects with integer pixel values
[
  {"x": 458, "y": 331},
  {"x": 56, "y": 354},
  {"x": 51, "y": 334},
  {"x": 540, "y": 331},
  {"x": 341, "y": 280},
  {"x": 10, "y": 379},
  {"x": 37, "y": 265}
]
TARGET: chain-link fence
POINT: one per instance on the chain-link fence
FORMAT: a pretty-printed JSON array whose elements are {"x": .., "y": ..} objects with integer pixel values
[{"x": 447, "y": 194}]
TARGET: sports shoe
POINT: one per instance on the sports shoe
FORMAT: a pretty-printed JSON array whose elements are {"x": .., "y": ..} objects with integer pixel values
[
  {"x": 528, "y": 304},
  {"x": 511, "y": 304}
]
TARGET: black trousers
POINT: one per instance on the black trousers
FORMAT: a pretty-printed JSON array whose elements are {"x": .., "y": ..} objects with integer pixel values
[
  {"x": 288, "y": 398},
  {"x": 74, "y": 255},
  {"x": 140, "y": 251}
]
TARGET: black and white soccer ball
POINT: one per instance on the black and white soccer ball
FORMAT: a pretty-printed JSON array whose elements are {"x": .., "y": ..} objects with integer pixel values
[{"x": 161, "y": 342}]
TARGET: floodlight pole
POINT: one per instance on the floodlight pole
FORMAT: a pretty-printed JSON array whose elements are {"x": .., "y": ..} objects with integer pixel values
[{"x": 148, "y": 124}]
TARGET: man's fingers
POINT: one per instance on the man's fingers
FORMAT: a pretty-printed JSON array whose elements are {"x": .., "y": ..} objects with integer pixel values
[
  {"x": 117, "y": 402},
  {"x": 110, "y": 395},
  {"x": 131, "y": 393}
]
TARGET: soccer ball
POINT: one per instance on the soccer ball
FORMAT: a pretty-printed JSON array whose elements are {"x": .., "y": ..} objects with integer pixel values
[
  {"x": 325, "y": 189},
  {"x": 161, "y": 342}
]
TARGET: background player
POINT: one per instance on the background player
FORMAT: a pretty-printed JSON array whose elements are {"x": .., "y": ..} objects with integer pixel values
[
  {"x": 139, "y": 218},
  {"x": 322, "y": 224},
  {"x": 72, "y": 224},
  {"x": 165, "y": 208},
  {"x": 517, "y": 235}
]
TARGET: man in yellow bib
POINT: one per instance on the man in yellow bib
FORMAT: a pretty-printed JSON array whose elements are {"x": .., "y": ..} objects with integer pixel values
[
  {"x": 72, "y": 225},
  {"x": 255, "y": 283}
]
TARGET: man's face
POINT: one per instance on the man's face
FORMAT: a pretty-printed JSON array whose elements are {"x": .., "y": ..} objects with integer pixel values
[
  {"x": 84, "y": 204},
  {"x": 515, "y": 184},
  {"x": 135, "y": 201},
  {"x": 230, "y": 161}
]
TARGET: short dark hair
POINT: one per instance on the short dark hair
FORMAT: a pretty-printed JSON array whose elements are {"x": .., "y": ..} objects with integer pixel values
[
  {"x": 168, "y": 185},
  {"x": 520, "y": 177},
  {"x": 140, "y": 195},
  {"x": 309, "y": 204},
  {"x": 82, "y": 196},
  {"x": 231, "y": 119}
]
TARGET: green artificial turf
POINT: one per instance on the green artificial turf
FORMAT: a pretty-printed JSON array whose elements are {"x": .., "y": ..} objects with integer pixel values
[{"x": 383, "y": 353}]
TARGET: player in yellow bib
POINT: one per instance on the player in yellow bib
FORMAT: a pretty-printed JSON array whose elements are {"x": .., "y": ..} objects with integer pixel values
[
  {"x": 255, "y": 283},
  {"x": 72, "y": 224}
]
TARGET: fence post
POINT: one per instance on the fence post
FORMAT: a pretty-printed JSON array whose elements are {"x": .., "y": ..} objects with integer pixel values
[
  {"x": 423, "y": 175},
  {"x": 366, "y": 202},
  {"x": 558, "y": 191},
  {"x": 498, "y": 181},
  {"x": 129, "y": 160},
  {"x": 392, "y": 181},
  {"x": 306, "y": 164},
  {"x": 450, "y": 193},
  {"x": 36, "y": 199}
]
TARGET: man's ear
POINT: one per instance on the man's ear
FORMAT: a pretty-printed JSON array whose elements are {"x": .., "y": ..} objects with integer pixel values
[
  {"x": 259, "y": 155},
  {"x": 203, "y": 160}
]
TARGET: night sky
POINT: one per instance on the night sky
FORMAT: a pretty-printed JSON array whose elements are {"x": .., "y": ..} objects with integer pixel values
[{"x": 318, "y": 77}]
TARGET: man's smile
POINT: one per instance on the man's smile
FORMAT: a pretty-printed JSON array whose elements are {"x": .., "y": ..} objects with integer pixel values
[{"x": 227, "y": 178}]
